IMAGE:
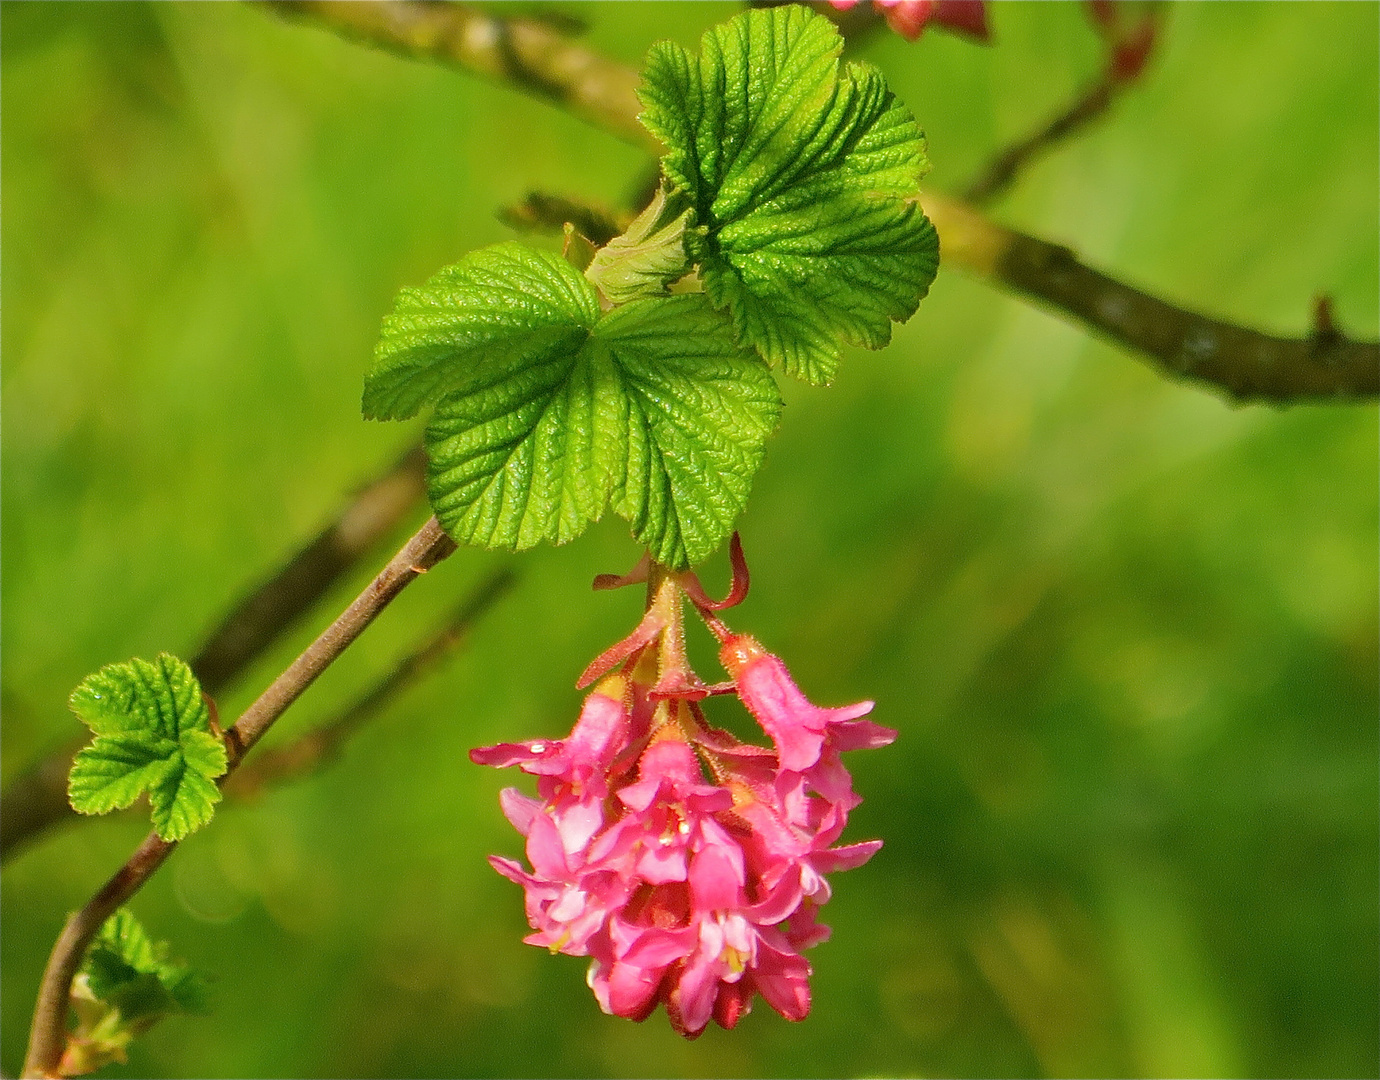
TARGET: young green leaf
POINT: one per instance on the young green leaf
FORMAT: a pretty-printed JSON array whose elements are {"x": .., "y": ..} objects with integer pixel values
[
  {"x": 123, "y": 957},
  {"x": 653, "y": 406},
  {"x": 126, "y": 984},
  {"x": 641, "y": 262},
  {"x": 153, "y": 734},
  {"x": 805, "y": 183}
]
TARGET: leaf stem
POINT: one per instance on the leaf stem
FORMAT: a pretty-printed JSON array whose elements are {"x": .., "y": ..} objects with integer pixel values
[{"x": 424, "y": 550}]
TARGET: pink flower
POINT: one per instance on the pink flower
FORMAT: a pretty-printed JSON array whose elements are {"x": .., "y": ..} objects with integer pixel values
[
  {"x": 688, "y": 865},
  {"x": 910, "y": 17}
]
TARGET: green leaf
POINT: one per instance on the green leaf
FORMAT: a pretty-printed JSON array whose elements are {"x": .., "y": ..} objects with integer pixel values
[
  {"x": 153, "y": 734},
  {"x": 699, "y": 412},
  {"x": 652, "y": 407},
  {"x": 125, "y": 968},
  {"x": 805, "y": 184},
  {"x": 505, "y": 306},
  {"x": 648, "y": 257}
]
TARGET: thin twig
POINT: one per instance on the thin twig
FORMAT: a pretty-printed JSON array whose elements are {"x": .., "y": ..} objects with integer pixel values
[
  {"x": 543, "y": 212},
  {"x": 1245, "y": 364},
  {"x": 1001, "y": 172},
  {"x": 322, "y": 744},
  {"x": 525, "y": 52},
  {"x": 36, "y": 799},
  {"x": 261, "y": 618},
  {"x": 424, "y": 550}
]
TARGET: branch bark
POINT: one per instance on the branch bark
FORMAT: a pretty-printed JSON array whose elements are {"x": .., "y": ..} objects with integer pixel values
[
  {"x": 1244, "y": 364},
  {"x": 428, "y": 547},
  {"x": 36, "y": 799},
  {"x": 522, "y": 52}
]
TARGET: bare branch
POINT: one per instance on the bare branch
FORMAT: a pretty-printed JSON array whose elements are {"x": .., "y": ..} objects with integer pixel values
[
  {"x": 1245, "y": 364},
  {"x": 542, "y": 212},
  {"x": 262, "y": 617},
  {"x": 424, "y": 550},
  {"x": 1001, "y": 172},
  {"x": 36, "y": 799},
  {"x": 322, "y": 744},
  {"x": 524, "y": 52}
]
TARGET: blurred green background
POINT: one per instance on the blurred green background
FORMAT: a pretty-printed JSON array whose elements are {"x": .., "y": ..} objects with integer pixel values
[{"x": 1128, "y": 633}]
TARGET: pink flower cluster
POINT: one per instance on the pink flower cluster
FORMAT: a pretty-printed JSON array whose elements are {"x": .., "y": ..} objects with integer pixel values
[
  {"x": 686, "y": 864},
  {"x": 910, "y": 17}
]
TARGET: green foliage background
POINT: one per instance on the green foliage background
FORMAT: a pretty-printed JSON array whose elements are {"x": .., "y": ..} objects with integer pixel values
[{"x": 1128, "y": 633}]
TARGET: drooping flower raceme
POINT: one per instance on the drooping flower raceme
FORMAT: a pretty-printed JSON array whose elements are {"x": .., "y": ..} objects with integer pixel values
[
  {"x": 687, "y": 864},
  {"x": 910, "y": 17}
]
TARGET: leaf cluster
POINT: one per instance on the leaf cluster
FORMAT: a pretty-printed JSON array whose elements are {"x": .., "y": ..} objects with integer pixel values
[
  {"x": 153, "y": 734},
  {"x": 788, "y": 225},
  {"x": 128, "y": 969},
  {"x": 126, "y": 985}
]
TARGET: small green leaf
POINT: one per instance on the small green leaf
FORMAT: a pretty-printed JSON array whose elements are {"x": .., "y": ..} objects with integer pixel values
[
  {"x": 116, "y": 769},
  {"x": 153, "y": 734},
  {"x": 126, "y": 968},
  {"x": 653, "y": 406},
  {"x": 805, "y": 184},
  {"x": 651, "y": 255}
]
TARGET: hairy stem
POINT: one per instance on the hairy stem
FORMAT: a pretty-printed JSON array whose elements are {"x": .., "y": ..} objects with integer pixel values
[
  {"x": 1245, "y": 364},
  {"x": 36, "y": 799},
  {"x": 424, "y": 550}
]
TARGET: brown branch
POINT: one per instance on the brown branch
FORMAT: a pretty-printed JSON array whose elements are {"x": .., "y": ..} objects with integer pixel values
[
  {"x": 543, "y": 212},
  {"x": 36, "y": 799},
  {"x": 524, "y": 52},
  {"x": 1001, "y": 172},
  {"x": 1245, "y": 364},
  {"x": 262, "y": 617},
  {"x": 322, "y": 744},
  {"x": 424, "y": 550}
]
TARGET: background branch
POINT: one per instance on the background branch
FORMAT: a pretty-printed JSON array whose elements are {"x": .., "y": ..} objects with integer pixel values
[
  {"x": 1001, "y": 171},
  {"x": 1129, "y": 33},
  {"x": 1245, "y": 364},
  {"x": 424, "y": 550},
  {"x": 525, "y": 52},
  {"x": 372, "y": 515},
  {"x": 36, "y": 799}
]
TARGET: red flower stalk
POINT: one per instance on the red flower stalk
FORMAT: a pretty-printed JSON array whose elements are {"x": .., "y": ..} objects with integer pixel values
[{"x": 686, "y": 864}]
